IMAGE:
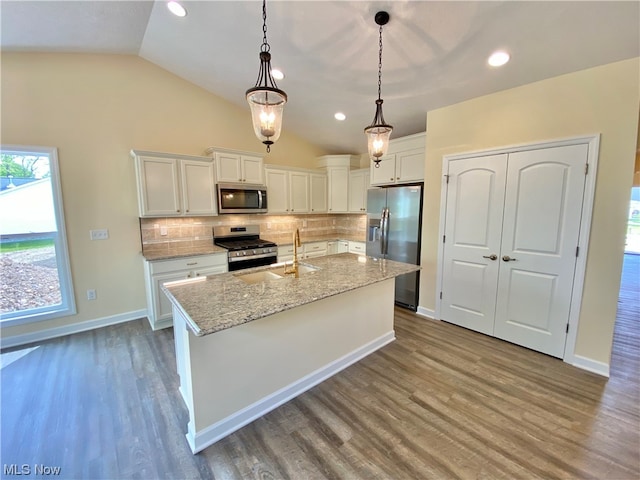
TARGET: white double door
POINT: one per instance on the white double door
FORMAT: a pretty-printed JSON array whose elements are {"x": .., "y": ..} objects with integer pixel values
[{"x": 512, "y": 225}]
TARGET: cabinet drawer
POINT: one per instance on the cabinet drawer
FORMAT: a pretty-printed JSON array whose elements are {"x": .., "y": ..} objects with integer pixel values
[
  {"x": 285, "y": 250},
  {"x": 315, "y": 246},
  {"x": 188, "y": 263},
  {"x": 358, "y": 247}
]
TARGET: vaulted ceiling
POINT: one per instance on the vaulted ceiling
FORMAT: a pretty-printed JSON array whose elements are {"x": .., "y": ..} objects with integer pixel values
[{"x": 434, "y": 52}]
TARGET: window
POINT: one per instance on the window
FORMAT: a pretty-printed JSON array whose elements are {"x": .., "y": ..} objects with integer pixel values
[
  {"x": 35, "y": 278},
  {"x": 632, "y": 244}
]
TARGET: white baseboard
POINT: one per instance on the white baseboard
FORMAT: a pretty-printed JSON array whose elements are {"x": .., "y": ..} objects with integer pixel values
[
  {"x": 48, "y": 333},
  {"x": 200, "y": 440},
  {"x": 590, "y": 365},
  {"x": 426, "y": 312}
]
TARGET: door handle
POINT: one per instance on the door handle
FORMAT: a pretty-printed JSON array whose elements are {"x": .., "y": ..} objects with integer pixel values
[
  {"x": 493, "y": 256},
  {"x": 507, "y": 258}
]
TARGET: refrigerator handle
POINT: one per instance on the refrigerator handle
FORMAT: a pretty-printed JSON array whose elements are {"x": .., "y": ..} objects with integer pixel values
[{"x": 384, "y": 228}]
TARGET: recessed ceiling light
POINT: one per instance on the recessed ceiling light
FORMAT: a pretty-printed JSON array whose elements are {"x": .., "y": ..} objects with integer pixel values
[
  {"x": 340, "y": 116},
  {"x": 177, "y": 9},
  {"x": 499, "y": 58},
  {"x": 277, "y": 74}
]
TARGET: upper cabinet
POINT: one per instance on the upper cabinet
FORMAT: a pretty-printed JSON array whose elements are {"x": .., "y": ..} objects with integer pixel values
[
  {"x": 318, "y": 192},
  {"x": 174, "y": 185},
  {"x": 358, "y": 186},
  {"x": 237, "y": 167},
  {"x": 294, "y": 191},
  {"x": 337, "y": 168},
  {"x": 404, "y": 162}
]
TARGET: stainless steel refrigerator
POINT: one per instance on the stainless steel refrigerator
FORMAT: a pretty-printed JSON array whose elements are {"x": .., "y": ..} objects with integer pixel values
[{"x": 394, "y": 216}]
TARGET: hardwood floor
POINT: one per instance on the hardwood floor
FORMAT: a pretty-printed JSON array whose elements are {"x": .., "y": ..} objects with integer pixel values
[{"x": 441, "y": 402}]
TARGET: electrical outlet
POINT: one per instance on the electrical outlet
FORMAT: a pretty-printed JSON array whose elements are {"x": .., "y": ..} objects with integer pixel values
[
  {"x": 91, "y": 294},
  {"x": 304, "y": 224},
  {"x": 163, "y": 230},
  {"x": 268, "y": 226},
  {"x": 101, "y": 234}
]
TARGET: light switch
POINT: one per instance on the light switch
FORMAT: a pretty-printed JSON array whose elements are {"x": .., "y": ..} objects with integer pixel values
[{"x": 101, "y": 234}]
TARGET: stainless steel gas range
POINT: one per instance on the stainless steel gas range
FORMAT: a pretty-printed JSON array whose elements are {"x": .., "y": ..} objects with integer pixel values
[{"x": 246, "y": 248}]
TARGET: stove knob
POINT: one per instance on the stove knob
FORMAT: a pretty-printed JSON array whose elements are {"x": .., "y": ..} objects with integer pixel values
[
  {"x": 254, "y": 252},
  {"x": 244, "y": 253}
]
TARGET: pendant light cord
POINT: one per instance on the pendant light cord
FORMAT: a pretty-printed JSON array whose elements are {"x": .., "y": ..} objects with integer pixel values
[
  {"x": 265, "y": 45},
  {"x": 379, "y": 64}
]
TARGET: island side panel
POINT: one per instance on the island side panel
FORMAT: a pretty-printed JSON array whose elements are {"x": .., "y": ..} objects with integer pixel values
[{"x": 243, "y": 372}]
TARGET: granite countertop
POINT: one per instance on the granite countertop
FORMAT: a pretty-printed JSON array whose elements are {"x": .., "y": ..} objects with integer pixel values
[
  {"x": 166, "y": 251},
  {"x": 218, "y": 302},
  {"x": 169, "y": 250},
  {"x": 304, "y": 238}
]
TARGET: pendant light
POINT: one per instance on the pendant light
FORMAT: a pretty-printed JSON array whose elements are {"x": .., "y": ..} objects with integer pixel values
[
  {"x": 266, "y": 99},
  {"x": 378, "y": 132}
]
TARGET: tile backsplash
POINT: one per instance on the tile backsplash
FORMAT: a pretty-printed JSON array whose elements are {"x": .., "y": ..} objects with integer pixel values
[{"x": 194, "y": 231}]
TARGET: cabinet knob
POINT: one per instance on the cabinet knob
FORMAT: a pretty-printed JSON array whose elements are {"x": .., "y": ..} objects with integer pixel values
[
  {"x": 391, "y": 178},
  {"x": 397, "y": 178},
  {"x": 187, "y": 210},
  {"x": 177, "y": 211}
]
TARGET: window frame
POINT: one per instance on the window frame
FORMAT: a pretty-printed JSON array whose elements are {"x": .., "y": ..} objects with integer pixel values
[{"x": 67, "y": 306}]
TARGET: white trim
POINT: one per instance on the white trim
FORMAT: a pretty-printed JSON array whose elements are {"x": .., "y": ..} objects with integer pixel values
[
  {"x": 593, "y": 142},
  {"x": 427, "y": 313},
  {"x": 590, "y": 365},
  {"x": 200, "y": 440},
  {"x": 48, "y": 333}
]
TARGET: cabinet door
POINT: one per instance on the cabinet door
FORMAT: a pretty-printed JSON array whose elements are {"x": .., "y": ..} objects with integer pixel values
[
  {"x": 159, "y": 187},
  {"x": 332, "y": 248},
  {"x": 358, "y": 192},
  {"x": 410, "y": 165},
  {"x": 298, "y": 192},
  {"x": 277, "y": 190},
  {"x": 198, "y": 188},
  {"x": 338, "y": 189},
  {"x": 385, "y": 173},
  {"x": 343, "y": 247},
  {"x": 318, "y": 192},
  {"x": 228, "y": 167},
  {"x": 162, "y": 311},
  {"x": 252, "y": 169}
]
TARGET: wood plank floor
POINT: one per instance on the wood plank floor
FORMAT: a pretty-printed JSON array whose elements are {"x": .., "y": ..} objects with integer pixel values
[{"x": 441, "y": 402}]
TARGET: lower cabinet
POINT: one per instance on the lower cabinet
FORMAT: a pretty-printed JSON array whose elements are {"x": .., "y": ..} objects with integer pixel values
[
  {"x": 315, "y": 249},
  {"x": 359, "y": 248},
  {"x": 158, "y": 272}
]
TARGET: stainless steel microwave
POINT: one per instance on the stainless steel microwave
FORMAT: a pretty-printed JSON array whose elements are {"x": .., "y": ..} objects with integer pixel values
[{"x": 238, "y": 198}]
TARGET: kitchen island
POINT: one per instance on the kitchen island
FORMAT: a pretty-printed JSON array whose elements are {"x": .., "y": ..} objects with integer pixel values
[{"x": 248, "y": 341}]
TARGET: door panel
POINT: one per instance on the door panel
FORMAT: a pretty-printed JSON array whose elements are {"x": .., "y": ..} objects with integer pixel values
[
  {"x": 473, "y": 224},
  {"x": 543, "y": 206}
]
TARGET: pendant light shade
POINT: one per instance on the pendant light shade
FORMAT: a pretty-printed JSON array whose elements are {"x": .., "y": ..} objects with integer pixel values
[
  {"x": 379, "y": 132},
  {"x": 266, "y": 99}
]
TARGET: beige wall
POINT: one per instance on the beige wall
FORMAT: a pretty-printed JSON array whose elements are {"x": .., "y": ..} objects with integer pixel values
[
  {"x": 601, "y": 100},
  {"x": 94, "y": 109}
]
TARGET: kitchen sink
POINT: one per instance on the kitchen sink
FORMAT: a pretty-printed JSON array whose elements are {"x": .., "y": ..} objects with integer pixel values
[{"x": 274, "y": 273}]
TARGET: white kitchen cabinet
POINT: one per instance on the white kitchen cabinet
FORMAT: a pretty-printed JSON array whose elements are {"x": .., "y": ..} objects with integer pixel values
[
  {"x": 404, "y": 162},
  {"x": 314, "y": 249},
  {"x": 158, "y": 272},
  {"x": 318, "y": 192},
  {"x": 277, "y": 190},
  {"x": 298, "y": 192},
  {"x": 285, "y": 253},
  {"x": 174, "y": 185},
  {"x": 337, "y": 246},
  {"x": 238, "y": 168},
  {"x": 289, "y": 191},
  {"x": 358, "y": 185},
  {"x": 338, "y": 189},
  {"x": 359, "y": 248}
]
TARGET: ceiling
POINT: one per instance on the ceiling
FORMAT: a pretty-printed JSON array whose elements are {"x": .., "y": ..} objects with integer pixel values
[{"x": 434, "y": 53}]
